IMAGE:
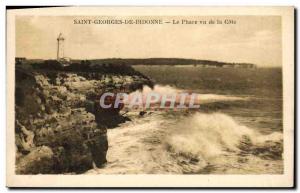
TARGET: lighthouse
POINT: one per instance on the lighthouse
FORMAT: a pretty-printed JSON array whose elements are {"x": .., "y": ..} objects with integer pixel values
[
  {"x": 60, "y": 47},
  {"x": 64, "y": 61}
]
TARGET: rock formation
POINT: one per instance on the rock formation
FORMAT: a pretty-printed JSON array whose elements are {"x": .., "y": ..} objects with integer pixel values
[{"x": 58, "y": 126}]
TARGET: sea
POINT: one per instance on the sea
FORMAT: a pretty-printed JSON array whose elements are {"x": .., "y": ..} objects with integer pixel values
[{"x": 236, "y": 130}]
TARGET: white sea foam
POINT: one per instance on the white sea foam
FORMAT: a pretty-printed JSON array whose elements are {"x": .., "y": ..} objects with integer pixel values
[
  {"x": 169, "y": 91},
  {"x": 159, "y": 144},
  {"x": 209, "y": 135}
]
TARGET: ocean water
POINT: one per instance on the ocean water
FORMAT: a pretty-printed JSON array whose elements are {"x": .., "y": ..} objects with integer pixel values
[{"x": 236, "y": 130}]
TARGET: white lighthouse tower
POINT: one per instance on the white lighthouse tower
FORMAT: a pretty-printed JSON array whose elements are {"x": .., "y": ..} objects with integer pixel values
[{"x": 60, "y": 47}]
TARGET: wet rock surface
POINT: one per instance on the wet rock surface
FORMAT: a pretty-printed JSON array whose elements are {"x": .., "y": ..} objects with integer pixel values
[{"x": 59, "y": 127}]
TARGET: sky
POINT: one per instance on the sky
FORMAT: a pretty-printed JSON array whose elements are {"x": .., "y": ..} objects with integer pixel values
[{"x": 253, "y": 39}]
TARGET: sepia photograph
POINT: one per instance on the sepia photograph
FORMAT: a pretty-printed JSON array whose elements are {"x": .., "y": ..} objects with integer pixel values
[{"x": 153, "y": 94}]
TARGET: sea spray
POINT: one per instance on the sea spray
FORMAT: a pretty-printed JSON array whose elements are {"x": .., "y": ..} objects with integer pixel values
[
  {"x": 205, "y": 136},
  {"x": 194, "y": 143},
  {"x": 166, "y": 97}
]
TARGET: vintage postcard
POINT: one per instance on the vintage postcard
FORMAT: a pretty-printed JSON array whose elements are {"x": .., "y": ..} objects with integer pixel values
[{"x": 150, "y": 97}]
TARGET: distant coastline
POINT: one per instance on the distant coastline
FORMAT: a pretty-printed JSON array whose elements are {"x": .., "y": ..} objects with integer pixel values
[{"x": 153, "y": 61}]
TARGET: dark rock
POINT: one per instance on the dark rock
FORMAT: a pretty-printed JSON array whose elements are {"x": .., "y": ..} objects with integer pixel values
[
  {"x": 142, "y": 113},
  {"x": 99, "y": 147},
  {"x": 38, "y": 161}
]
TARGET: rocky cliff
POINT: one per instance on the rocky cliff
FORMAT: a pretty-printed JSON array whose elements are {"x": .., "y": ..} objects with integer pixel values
[{"x": 58, "y": 126}]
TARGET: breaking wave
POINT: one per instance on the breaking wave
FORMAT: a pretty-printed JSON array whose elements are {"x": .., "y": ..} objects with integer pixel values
[
  {"x": 169, "y": 91},
  {"x": 198, "y": 143},
  {"x": 209, "y": 136}
]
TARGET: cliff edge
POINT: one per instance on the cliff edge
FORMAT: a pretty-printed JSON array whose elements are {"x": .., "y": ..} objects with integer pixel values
[{"x": 58, "y": 127}]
